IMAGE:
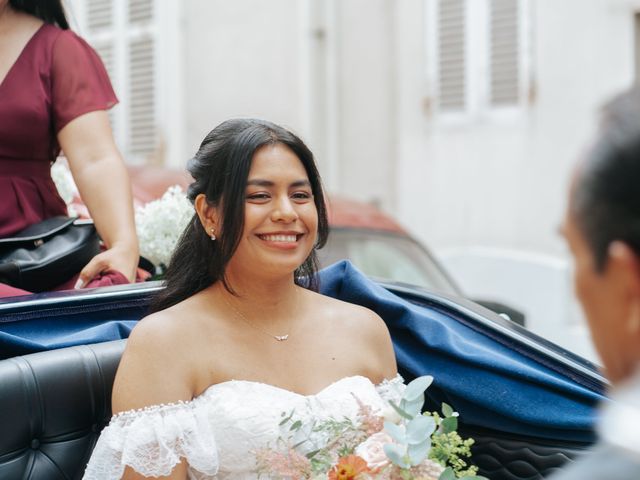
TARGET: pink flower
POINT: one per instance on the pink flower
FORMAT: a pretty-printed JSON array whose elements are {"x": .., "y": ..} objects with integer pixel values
[
  {"x": 289, "y": 464},
  {"x": 370, "y": 421},
  {"x": 372, "y": 452}
]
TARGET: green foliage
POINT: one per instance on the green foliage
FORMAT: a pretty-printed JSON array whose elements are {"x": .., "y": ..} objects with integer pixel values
[{"x": 448, "y": 448}]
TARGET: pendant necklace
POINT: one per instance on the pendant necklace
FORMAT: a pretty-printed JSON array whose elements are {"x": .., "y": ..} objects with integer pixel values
[{"x": 241, "y": 316}]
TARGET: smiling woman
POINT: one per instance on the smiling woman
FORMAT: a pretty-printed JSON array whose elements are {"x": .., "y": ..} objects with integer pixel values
[{"x": 241, "y": 303}]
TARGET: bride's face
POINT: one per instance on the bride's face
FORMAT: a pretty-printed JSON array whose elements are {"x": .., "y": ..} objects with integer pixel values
[{"x": 280, "y": 220}]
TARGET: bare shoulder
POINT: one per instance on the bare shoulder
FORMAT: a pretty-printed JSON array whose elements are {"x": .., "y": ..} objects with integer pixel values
[
  {"x": 352, "y": 316},
  {"x": 361, "y": 323},
  {"x": 154, "y": 367}
]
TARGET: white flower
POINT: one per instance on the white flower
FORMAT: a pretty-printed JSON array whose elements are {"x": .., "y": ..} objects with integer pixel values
[
  {"x": 161, "y": 222},
  {"x": 64, "y": 182},
  {"x": 371, "y": 450},
  {"x": 391, "y": 415}
]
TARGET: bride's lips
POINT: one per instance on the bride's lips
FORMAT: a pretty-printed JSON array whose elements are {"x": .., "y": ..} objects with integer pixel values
[{"x": 282, "y": 240}]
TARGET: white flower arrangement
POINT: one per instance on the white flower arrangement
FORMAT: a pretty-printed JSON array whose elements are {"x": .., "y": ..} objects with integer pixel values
[
  {"x": 65, "y": 185},
  {"x": 160, "y": 223}
]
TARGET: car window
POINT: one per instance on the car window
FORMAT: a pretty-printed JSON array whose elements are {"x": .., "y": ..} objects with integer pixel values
[{"x": 387, "y": 256}]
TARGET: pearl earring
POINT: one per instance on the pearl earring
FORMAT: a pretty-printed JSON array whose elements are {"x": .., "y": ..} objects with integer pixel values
[{"x": 213, "y": 235}]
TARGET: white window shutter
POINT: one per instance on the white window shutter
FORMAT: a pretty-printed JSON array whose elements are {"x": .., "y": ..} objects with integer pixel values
[
  {"x": 140, "y": 11},
  {"x": 142, "y": 118},
  {"x": 123, "y": 33},
  {"x": 99, "y": 15},
  {"x": 100, "y": 24},
  {"x": 451, "y": 54},
  {"x": 504, "y": 53}
]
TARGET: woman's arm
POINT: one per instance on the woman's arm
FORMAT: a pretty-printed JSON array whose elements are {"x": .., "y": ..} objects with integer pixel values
[
  {"x": 153, "y": 370},
  {"x": 104, "y": 186}
]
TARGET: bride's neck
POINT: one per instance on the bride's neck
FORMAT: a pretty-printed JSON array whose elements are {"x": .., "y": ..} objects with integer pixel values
[{"x": 256, "y": 294}]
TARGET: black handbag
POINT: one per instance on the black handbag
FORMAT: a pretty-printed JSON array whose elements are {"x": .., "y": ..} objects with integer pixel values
[{"x": 48, "y": 253}]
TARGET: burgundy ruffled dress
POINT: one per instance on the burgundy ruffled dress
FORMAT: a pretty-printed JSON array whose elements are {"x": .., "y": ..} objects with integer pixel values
[{"x": 56, "y": 78}]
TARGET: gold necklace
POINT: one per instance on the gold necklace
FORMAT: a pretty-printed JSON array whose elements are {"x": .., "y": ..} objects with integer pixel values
[{"x": 279, "y": 338}]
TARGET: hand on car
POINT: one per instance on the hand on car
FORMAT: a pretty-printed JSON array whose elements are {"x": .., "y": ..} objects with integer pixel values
[{"x": 120, "y": 258}]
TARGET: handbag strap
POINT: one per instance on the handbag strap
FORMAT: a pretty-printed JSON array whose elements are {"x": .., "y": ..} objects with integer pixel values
[{"x": 37, "y": 233}]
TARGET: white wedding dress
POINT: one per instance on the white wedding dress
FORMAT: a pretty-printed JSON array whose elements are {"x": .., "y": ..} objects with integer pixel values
[{"x": 218, "y": 431}]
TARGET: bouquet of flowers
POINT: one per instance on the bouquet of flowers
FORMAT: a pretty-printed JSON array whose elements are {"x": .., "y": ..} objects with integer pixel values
[
  {"x": 399, "y": 444},
  {"x": 160, "y": 223}
]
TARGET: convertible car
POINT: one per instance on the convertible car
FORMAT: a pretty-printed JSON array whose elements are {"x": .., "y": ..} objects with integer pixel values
[{"x": 529, "y": 404}]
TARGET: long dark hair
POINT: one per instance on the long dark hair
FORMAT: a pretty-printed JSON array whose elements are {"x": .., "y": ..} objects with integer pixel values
[
  {"x": 606, "y": 198},
  {"x": 220, "y": 170},
  {"x": 51, "y": 11}
]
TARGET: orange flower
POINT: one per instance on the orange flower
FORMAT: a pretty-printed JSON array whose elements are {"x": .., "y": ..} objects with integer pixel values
[{"x": 349, "y": 468}]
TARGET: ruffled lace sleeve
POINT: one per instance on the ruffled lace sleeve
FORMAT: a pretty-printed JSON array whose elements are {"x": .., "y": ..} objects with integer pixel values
[
  {"x": 153, "y": 440},
  {"x": 391, "y": 390}
]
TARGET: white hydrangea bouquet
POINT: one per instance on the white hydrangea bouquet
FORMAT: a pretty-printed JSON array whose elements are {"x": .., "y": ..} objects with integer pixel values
[
  {"x": 400, "y": 444},
  {"x": 160, "y": 223}
]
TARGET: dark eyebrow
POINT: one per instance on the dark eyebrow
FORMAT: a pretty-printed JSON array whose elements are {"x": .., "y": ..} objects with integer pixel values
[{"x": 268, "y": 183}]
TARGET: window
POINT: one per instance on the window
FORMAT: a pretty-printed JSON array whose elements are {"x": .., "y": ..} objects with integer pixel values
[
  {"x": 477, "y": 56},
  {"x": 125, "y": 33}
]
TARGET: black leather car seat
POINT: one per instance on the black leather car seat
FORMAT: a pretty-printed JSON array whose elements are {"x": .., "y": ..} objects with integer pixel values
[{"x": 53, "y": 406}]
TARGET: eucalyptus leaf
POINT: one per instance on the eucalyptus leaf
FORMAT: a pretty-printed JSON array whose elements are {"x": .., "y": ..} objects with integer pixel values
[
  {"x": 286, "y": 419},
  {"x": 395, "y": 431},
  {"x": 397, "y": 455},
  {"x": 449, "y": 425},
  {"x": 312, "y": 454},
  {"x": 419, "y": 429},
  {"x": 417, "y": 387},
  {"x": 447, "y": 410},
  {"x": 400, "y": 411},
  {"x": 296, "y": 425},
  {"x": 413, "y": 407},
  {"x": 418, "y": 452},
  {"x": 447, "y": 474}
]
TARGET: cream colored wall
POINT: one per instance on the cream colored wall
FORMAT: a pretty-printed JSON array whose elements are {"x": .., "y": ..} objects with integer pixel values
[
  {"x": 241, "y": 59},
  {"x": 325, "y": 68}
]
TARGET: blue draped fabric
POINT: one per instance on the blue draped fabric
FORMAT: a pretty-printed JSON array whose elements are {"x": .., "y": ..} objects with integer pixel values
[{"x": 490, "y": 384}]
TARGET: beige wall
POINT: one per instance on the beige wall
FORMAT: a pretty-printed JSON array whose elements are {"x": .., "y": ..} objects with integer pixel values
[
  {"x": 241, "y": 59},
  {"x": 325, "y": 68}
]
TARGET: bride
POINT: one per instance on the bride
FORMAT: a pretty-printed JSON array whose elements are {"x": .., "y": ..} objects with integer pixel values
[{"x": 239, "y": 335}]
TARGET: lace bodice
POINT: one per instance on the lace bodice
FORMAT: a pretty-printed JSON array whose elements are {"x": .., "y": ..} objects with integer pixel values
[{"x": 217, "y": 431}]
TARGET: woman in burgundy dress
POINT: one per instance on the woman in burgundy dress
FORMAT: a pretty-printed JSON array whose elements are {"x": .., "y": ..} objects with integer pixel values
[{"x": 54, "y": 93}]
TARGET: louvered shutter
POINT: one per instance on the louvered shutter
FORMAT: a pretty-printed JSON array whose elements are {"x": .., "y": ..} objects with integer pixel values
[
  {"x": 141, "y": 78},
  {"x": 123, "y": 34},
  {"x": 142, "y": 117},
  {"x": 99, "y": 15},
  {"x": 140, "y": 11},
  {"x": 451, "y": 55},
  {"x": 100, "y": 26},
  {"x": 504, "y": 53}
]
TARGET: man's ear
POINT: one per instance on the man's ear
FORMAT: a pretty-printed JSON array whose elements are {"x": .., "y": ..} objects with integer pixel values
[
  {"x": 624, "y": 263},
  {"x": 207, "y": 213}
]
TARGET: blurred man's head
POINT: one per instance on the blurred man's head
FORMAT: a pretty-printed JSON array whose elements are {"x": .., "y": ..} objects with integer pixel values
[{"x": 602, "y": 227}]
